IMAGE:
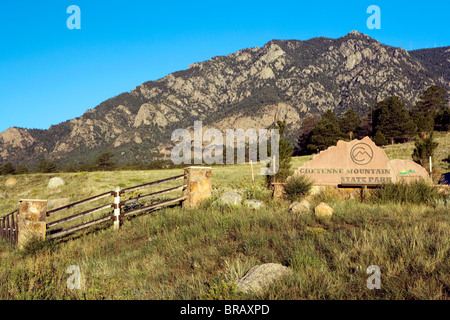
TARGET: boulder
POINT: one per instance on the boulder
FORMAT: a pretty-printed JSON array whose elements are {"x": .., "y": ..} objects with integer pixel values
[
  {"x": 57, "y": 203},
  {"x": 254, "y": 204},
  {"x": 322, "y": 210},
  {"x": 258, "y": 277},
  {"x": 10, "y": 182},
  {"x": 55, "y": 183},
  {"x": 231, "y": 198},
  {"x": 300, "y": 207}
]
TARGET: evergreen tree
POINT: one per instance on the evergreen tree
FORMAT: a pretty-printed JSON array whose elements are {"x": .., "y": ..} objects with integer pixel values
[
  {"x": 424, "y": 121},
  {"x": 365, "y": 128},
  {"x": 285, "y": 156},
  {"x": 86, "y": 167},
  {"x": 391, "y": 117},
  {"x": 379, "y": 139},
  {"x": 306, "y": 129},
  {"x": 324, "y": 135},
  {"x": 22, "y": 170},
  {"x": 430, "y": 111},
  {"x": 442, "y": 120},
  {"x": 331, "y": 116},
  {"x": 423, "y": 150},
  {"x": 45, "y": 166},
  {"x": 7, "y": 169},
  {"x": 104, "y": 163},
  {"x": 433, "y": 99},
  {"x": 349, "y": 123}
]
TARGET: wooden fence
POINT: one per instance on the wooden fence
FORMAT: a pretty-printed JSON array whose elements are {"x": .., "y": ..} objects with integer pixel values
[
  {"x": 8, "y": 228},
  {"x": 196, "y": 186},
  {"x": 117, "y": 205}
]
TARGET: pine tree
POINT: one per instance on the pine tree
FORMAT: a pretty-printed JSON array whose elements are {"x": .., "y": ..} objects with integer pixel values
[
  {"x": 331, "y": 116},
  {"x": 285, "y": 156},
  {"x": 349, "y": 123},
  {"x": 365, "y": 128},
  {"x": 391, "y": 117},
  {"x": 433, "y": 99},
  {"x": 308, "y": 124},
  {"x": 379, "y": 139},
  {"x": 424, "y": 149},
  {"x": 424, "y": 121},
  {"x": 442, "y": 120},
  {"x": 324, "y": 135},
  {"x": 7, "y": 169},
  {"x": 46, "y": 167},
  {"x": 430, "y": 111},
  {"x": 104, "y": 163}
]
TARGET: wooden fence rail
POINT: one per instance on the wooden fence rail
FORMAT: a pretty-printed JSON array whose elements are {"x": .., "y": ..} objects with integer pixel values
[
  {"x": 78, "y": 215},
  {"x": 76, "y": 204},
  {"x": 117, "y": 205},
  {"x": 9, "y": 228},
  {"x": 155, "y": 205},
  {"x": 151, "y": 195},
  {"x": 79, "y": 227},
  {"x": 152, "y": 184}
]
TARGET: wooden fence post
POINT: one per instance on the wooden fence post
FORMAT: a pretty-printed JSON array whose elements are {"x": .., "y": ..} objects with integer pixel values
[
  {"x": 1, "y": 228},
  {"x": 31, "y": 222},
  {"x": 117, "y": 209},
  {"x": 8, "y": 229},
  {"x": 198, "y": 185}
]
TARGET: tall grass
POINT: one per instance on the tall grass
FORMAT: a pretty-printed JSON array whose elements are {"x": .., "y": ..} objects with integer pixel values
[
  {"x": 415, "y": 192},
  {"x": 200, "y": 253}
]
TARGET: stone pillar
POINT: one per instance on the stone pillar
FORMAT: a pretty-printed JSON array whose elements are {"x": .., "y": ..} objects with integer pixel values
[
  {"x": 199, "y": 187},
  {"x": 32, "y": 220}
]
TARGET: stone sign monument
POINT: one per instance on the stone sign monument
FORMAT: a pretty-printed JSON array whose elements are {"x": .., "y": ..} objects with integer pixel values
[{"x": 358, "y": 163}]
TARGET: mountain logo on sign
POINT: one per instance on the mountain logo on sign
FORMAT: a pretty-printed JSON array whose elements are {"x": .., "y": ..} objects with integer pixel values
[{"x": 361, "y": 153}]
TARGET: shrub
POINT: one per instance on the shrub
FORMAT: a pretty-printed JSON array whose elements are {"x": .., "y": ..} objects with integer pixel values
[
  {"x": 297, "y": 186},
  {"x": 424, "y": 149},
  {"x": 379, "y": 139},
  {"x": 415, "y": 192},
  {"x": 223, "y": 291}
]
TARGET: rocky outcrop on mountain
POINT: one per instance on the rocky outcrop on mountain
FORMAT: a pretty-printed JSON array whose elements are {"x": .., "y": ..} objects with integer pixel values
[{"x": 284, "y": 79}]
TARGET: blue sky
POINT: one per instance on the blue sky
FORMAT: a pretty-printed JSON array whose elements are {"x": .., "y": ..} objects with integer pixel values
[{"x": 49, "y": 74}]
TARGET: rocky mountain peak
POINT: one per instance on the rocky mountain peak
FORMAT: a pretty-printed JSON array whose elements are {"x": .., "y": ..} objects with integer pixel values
[
  {"x": 355, "y": 33},
  {"x": 253, "y": 87}
]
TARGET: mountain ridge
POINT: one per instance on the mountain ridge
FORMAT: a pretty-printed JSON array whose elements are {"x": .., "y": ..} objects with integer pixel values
[{"x": 284, "y": 79}]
